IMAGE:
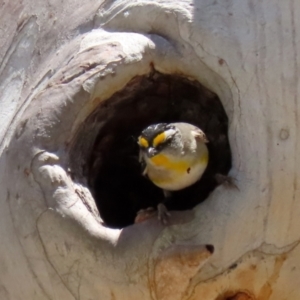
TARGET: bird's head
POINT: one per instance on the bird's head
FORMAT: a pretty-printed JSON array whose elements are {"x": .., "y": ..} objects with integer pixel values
[{"x": 155, "y": 138}]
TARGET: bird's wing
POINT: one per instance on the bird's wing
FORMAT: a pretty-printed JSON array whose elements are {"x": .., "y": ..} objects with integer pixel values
[{"x": 199, "y": 135}]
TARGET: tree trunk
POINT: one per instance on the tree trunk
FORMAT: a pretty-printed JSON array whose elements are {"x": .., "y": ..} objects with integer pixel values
[{"x": 68, "y": 71}]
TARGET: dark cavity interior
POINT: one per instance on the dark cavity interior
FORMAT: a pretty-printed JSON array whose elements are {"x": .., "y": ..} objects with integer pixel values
[{"x": 113, "y": 170}]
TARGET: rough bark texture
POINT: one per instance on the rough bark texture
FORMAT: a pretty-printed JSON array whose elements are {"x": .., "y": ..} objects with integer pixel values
[{"x": 59, "y": 61}]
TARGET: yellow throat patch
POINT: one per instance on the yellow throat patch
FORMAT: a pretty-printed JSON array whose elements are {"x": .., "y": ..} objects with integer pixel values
[{"x": 161, "y": 160}]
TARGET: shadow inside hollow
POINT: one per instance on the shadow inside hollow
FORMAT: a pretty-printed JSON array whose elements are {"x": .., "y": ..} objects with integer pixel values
[{"x": 113, "y": 170}]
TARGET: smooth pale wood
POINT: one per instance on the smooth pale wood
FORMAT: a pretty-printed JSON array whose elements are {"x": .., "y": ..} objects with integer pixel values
[{"x": 53, "y": 246}]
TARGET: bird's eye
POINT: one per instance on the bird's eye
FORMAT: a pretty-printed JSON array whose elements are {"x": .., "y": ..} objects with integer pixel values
[
  {"x": 160, "y": 146},
  {"x": 143, "y": 142}
]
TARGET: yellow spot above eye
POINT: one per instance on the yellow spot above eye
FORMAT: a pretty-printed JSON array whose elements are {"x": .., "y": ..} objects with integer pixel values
[
  {"x": 160, "y": 138},
  {"x": 143, "y": 142}
]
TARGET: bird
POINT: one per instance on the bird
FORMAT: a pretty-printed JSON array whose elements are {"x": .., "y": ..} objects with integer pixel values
[{"x": 174, "y": 156}]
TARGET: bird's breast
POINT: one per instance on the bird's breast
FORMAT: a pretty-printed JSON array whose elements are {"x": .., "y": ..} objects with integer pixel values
[
  {"x": 163, "y": 162},
  {"x": 176, "y": 173}
]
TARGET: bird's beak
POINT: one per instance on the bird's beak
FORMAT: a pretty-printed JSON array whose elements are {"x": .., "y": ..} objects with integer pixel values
[{"x": 151, "y": 151}]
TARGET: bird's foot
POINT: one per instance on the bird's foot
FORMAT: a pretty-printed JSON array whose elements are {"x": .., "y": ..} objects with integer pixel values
[
  {"x": 163, "y": 213},
  {"x": 167, "y": 194},
  {"x": 145, "y": 214},
  {"x": 225, "y": 180},
  {"x": 148, "y": 213}
]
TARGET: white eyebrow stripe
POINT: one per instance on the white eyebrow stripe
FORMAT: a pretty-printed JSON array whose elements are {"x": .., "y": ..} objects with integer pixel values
[{"x": 169, "y": 133}]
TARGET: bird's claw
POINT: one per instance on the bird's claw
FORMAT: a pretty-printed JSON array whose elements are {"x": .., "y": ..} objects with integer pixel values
[
  {"x": 148, "y": 213},
  {"x": 163, "y": 213},
  {"x": 225, "y": 180},
  {"x": 144, "y": 214}
]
